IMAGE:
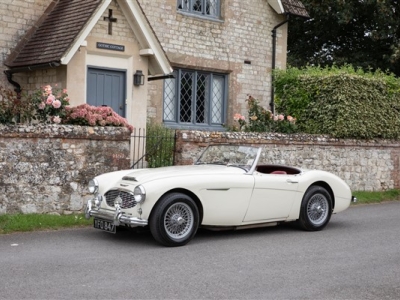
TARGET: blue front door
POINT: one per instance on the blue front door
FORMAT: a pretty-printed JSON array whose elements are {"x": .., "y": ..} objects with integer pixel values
[{"x": 107, "y": 88}]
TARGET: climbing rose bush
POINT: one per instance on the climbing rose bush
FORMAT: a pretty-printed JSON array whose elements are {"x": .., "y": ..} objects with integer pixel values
[
  {"x": 240, "y": 119},
  {"x": 50, "y": 104},
  {"x": 263, "y": 120}
]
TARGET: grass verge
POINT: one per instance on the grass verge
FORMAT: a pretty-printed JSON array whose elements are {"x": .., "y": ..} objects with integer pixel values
[
  {"x": 376, "y": 197},
  {"x": 31, "y": 222}
]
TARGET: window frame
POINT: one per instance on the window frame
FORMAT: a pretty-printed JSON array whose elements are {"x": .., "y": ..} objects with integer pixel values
[
  {"x": 209, "y": 125},
  {"x": 201, "y": 14}
]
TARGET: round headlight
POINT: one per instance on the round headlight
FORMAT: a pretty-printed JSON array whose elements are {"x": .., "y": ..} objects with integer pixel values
[
  {"x": 93, "y": 186},
  {"x": 140, "y": 194}
]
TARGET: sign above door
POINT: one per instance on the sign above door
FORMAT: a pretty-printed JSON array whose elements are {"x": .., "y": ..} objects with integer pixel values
[{"x": 110, "y": 46}]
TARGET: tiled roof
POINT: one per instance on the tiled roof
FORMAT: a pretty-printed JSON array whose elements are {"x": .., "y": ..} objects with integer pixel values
[
  {"x": 53, "y": 34},
  {"x": 295, "y": 7}
]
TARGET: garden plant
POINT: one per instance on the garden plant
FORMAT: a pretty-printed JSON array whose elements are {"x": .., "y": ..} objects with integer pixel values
[
  {"x": 49, "y": 105},
  {"x": 341, "y": 102}
]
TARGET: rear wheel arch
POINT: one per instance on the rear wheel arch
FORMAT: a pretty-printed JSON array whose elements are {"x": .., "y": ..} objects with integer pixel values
[{"x": 328, "y": 188}]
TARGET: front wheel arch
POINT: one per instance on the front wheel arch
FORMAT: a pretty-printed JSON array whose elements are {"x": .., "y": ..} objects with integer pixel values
[{"x": 188, "y": 193}]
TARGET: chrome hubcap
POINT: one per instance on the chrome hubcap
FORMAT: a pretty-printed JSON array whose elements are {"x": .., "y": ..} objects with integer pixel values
[{"x": 178, "y": 220}]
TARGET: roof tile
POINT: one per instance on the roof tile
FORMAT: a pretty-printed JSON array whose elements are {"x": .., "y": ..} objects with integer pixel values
[
  {"x": 295, "y": 7},
  {"x": 53, "y": 34}
]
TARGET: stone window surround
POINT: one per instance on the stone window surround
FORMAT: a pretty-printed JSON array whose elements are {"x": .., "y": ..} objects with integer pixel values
[{"x": 174, "y": 122}]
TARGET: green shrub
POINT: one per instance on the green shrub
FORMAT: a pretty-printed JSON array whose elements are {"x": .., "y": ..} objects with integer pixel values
[
  {"x": 14, "y": 109},
  {"x": 160, "y": 145},
  {"x": 342, "y": 102}
]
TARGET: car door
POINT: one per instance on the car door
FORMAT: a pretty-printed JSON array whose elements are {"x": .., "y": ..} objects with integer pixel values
[
  {"x": 272, "y": 197},
  {"x": 225, "y": 199}
]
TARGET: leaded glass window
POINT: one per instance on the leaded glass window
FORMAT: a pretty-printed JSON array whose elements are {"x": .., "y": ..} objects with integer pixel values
[
  {"x": 195, "y": 99},
  {"x": 210, "y": 8}
]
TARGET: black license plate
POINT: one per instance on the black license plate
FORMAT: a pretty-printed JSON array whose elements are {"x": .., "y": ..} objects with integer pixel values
[{"x": 104, "y": 225}]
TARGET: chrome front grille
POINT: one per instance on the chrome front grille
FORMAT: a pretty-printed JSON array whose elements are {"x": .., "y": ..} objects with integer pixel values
[{"x": 128, "y": 200}]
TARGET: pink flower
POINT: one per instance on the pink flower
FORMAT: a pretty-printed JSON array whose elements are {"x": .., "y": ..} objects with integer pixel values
[
  {"x": 47, "y": 90},
  {"x": 64, "y": 91},
  {"x": 56, "y": 103},
  {"x": 236, "y": 117},
  {"x": 50, "y": 99},
  {"x": 291, "y": 119},
  {"x": 57, "y": 120},
  {"x": 92, "y": 122},
  {"x": 42, "y": 105},
  {"x": 94, "y": 116},
  {"x": 276, "y": 118},
  {"x": 281, "y": 117}
]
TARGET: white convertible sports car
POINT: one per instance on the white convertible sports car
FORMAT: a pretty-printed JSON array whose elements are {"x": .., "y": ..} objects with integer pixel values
[{"x": 225, "y": 189}]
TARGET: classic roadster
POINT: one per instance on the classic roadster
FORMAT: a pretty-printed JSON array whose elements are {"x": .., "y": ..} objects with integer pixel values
[{"x": 225, "y": 189}]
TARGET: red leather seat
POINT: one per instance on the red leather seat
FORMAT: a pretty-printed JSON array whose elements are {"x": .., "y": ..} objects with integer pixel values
[{"x": 278, "y": 172}]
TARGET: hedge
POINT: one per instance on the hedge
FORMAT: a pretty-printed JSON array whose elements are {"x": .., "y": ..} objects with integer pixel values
[{"x": 342, "y": 102}]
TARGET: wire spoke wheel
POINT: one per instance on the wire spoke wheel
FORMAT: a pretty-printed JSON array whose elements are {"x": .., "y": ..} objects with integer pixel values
[
  {"x": 174, "y": 220},
  {"x": 317, "y": 209},
  {"x": 178, "y": 220}
]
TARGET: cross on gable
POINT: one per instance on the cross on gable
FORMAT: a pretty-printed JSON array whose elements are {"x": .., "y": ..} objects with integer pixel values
[{"x": 110, "y": 20}]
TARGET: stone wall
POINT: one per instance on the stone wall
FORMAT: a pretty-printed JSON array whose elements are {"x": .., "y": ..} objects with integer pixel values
[
  {"x": 46, "y": 168},
  {"x": 372, "y": 165}
]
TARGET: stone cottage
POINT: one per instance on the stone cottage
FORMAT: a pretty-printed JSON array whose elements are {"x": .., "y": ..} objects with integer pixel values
[{"x": 183, "y": 63}]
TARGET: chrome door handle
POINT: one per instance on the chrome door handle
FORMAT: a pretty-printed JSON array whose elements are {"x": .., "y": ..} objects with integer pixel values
[{"x": 291, "y": 181}]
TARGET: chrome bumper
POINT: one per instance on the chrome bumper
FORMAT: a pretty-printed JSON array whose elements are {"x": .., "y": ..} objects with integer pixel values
[{"x": 117, "y": 217}]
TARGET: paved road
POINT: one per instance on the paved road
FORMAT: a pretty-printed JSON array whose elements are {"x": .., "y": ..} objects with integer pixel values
[{"x": 356, "y": 257}]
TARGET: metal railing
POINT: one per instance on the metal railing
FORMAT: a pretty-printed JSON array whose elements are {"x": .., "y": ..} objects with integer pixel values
[{"x": 154, "y": 148}]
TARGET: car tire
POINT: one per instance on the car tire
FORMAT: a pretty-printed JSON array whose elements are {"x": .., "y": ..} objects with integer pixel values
[
  {"x": 316, "y": 209},
  {"x": 174, "y": 220}
]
